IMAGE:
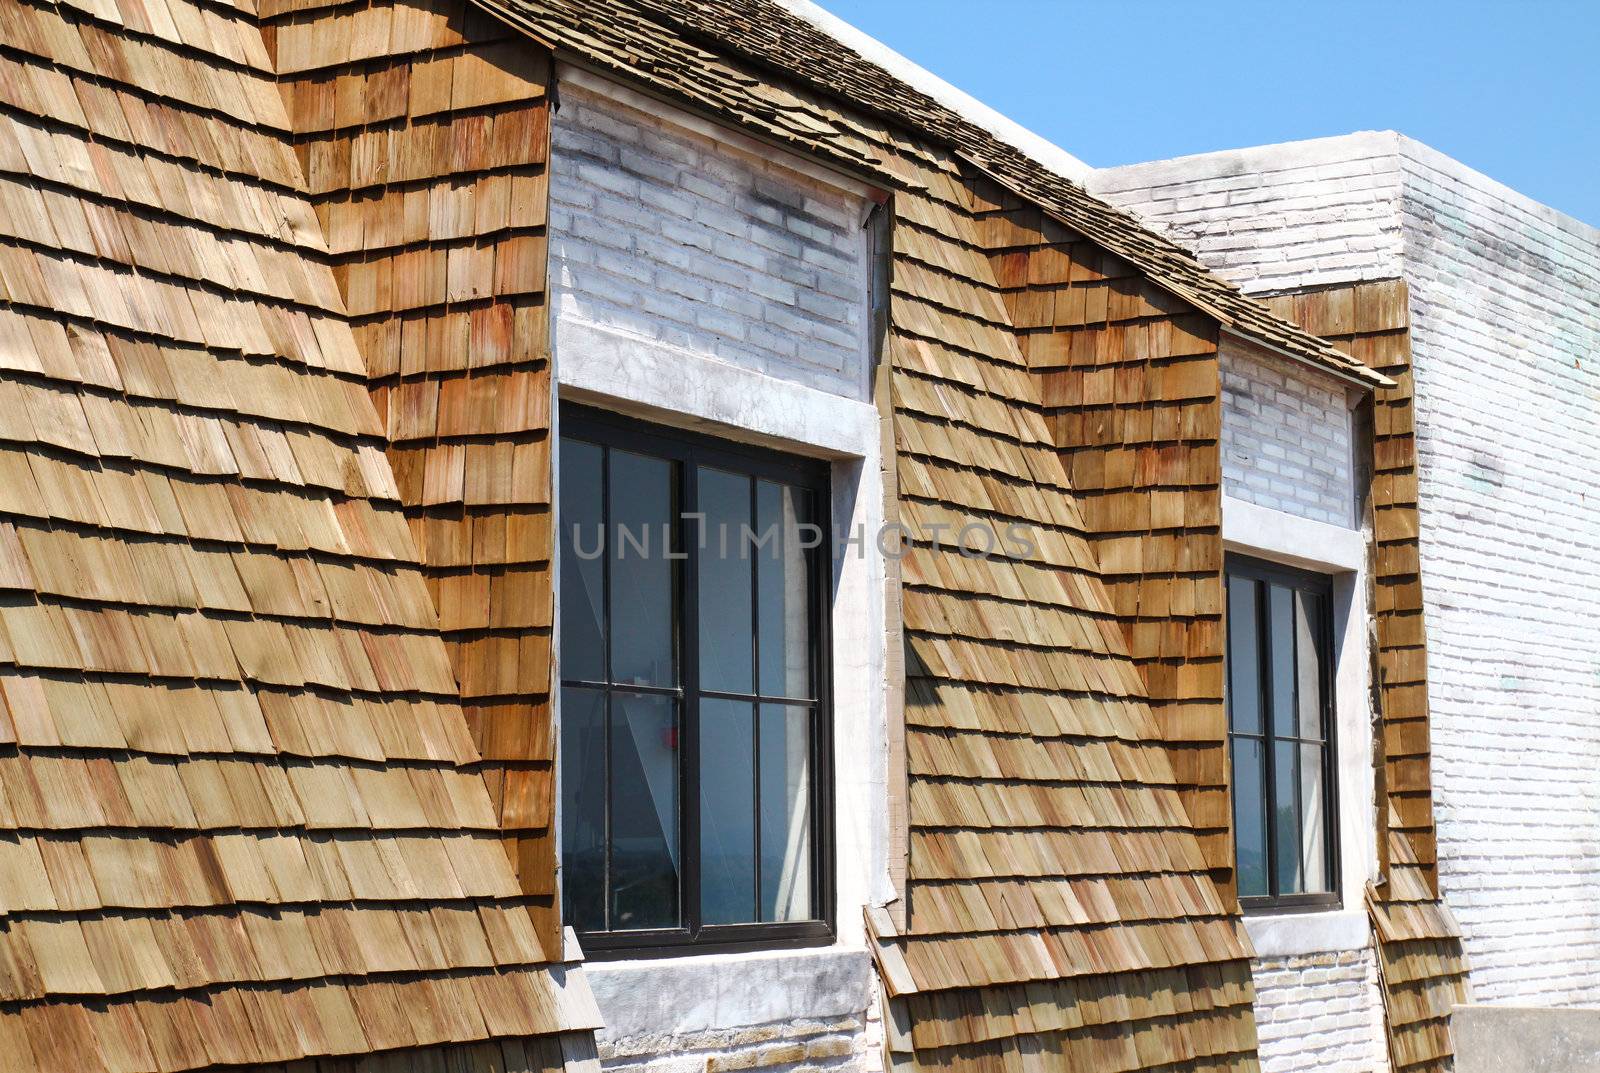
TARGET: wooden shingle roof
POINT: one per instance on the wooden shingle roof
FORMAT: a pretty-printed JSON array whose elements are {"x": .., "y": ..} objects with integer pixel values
[
  {"x": 239, "y": 817},
  {"x": 624, "y": 36}
]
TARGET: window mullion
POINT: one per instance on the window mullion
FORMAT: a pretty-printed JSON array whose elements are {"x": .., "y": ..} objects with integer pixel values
[
  {"x": 605, "y": 706},
  {"x": 689, "y": 716},
  {"x": 1269, "y": 789}
]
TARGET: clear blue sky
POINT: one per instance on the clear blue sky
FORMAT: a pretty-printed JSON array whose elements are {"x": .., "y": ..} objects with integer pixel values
[{"x": 1511, "y": 88}]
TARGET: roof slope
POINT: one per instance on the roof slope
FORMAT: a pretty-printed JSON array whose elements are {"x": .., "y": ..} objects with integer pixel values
[
  {"x": 237, "y": 823},
  {"x": 1060, "y": 908},
  {"x": 618, "y": 33},
  {"x": 422, "y": 127}
]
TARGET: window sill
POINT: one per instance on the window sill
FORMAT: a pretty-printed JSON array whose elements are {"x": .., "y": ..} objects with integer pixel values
[
  {"x": 1292, "y": 934},
  {"x": 705, "y": 992}
]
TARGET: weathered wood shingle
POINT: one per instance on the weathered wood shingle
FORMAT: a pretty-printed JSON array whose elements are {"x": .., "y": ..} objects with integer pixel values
[
  {"x": 1060, "y": 907},
  {"x": 423, "y": 131},
  {"x": 241, "y": 819}
]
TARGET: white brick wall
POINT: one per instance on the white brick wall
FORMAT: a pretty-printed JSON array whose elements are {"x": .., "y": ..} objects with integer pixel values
[
  {"x": 1277, "y": 216},
  {"x": 1320, "y": 1013},
  {"x": 1286, "y": 437},
  {"x": 1506, "y": 334},
  {"x": 660, "y": 232},
  {"x": 1506, "y": 339}
]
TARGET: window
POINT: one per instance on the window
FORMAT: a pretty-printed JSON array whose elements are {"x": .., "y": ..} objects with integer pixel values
[
  {"x": 1280, "y": 631},
  {"x": 694, "y": 727}
]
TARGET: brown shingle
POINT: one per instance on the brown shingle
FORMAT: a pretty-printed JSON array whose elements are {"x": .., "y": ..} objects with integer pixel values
[{"x": 234, "y": 759}]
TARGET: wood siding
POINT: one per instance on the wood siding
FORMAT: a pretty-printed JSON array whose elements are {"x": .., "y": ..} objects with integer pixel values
[
  {"x": 422, "y": 128},
  {"x": 1052, "y": 859},
  {"x": 1129, "y": 379}
]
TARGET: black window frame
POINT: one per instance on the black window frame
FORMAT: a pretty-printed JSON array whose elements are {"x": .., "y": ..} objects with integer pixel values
[
  {"x": 688, "y": 450},
  {"x": 1272, "y": 573}
]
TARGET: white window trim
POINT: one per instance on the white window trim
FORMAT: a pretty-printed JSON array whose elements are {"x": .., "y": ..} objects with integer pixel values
[{"x": 1285, "y": 538}]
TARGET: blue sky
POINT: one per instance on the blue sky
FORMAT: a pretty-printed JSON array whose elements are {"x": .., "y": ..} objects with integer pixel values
[{"x": 1511, "y": 88}]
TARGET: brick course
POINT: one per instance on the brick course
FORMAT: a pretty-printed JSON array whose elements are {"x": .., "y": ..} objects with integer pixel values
[{"x": 659, "y": 232}]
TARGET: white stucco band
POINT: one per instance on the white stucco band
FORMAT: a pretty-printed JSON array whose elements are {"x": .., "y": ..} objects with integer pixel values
[
  {"x": 616, "y": 368},
  {"x": 1289, "y": 539},
  {"x": 683, "y": 996},
  {"x": 1292, "y": 934}
]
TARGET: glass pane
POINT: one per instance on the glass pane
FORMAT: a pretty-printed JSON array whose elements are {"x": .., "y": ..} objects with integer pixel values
[
  {"x": 642, "y": 603},
  {"x": 644, "y": 811},
  {"x": 1280, "y": 639},
  {"x": 1286, "y": 816},
  {"x": 727, "y": 812},
  {"x": 1249, "y": 816},
  {"x": 726, "y": 643},
  {"x": 781, "y": 590},
  {"x": 582, "y": 563},
  {"x": 1244, "y": 666},
  {"x": 1314, "y": 846},
  {"x": 583, "y": 808},
  {"x": 1309, "y": 633},
  {"x": 785, "y": 812}
]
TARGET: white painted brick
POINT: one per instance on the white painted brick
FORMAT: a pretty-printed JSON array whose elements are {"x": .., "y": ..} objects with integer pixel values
[
  {"x": 1320, "y": 1013},
  {"x": 1286, "y": 437},
  {"x": 662, "y": 232}
]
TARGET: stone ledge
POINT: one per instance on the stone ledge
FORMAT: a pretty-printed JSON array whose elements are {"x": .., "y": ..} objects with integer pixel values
[{"x": 691, "y": 995}]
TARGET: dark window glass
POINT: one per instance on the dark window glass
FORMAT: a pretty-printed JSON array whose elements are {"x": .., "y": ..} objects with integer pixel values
[
  {"x": 1249, "y": 816},
  {"x": 1244, "y": 661},
  {"x": 642, "y": 571},
  {"x": 727, "y": 635},
  {"x": 583, "y": 596},
  {"x": 644, "y": 811},
  {"x": 785, "y": 655},
  {"x": 693, "y": 751},
  {"x": 786, "y": 823},
  {"x": 1279, "y": 726},
  {"x": 727, "y": 811},
  {"x": 583, "y": 806}
]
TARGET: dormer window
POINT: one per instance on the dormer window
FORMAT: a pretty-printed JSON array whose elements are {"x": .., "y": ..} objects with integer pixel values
[{"x": 693, "y": 708}]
